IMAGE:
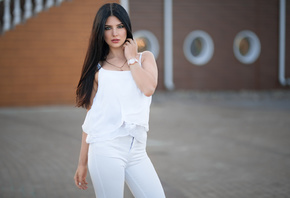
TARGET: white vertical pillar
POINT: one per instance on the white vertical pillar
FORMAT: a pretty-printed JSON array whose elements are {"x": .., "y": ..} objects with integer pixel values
[
  {"x": 6, "y": 16},
  {"x": 16, "y": 13},
  {"x": 168, "y": 45},
  {"x": 125, "y": 4},
  {"x": 282, "y": 41},
  {"x": 38, "y": 6},
  {"x": 27, "y": 9},
  {"x": 58, "y": 2},
  {"x": 48, "y": 4}
]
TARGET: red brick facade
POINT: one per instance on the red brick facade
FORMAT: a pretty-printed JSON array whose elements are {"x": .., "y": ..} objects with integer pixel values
[
  {"x": 148, "y": 15},
  {"x": 41, "y": 60},
  {"x": 222, "y": 20}
]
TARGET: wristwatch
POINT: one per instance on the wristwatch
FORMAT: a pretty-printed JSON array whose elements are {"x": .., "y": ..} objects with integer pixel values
[{"x": 132, "y": 61}]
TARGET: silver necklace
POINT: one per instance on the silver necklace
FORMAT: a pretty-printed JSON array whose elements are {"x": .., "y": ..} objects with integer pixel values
[{"x": 116, "y": 65}]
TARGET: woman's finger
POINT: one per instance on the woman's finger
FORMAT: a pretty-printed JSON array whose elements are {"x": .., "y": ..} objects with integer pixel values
[
  {"x": 76, "y": 179},
  {"x": 130, "y": 40},
  {"x": 77, "y": 182},
  {"x": 80, "y": 184},
  {"x": 83, "y": 185}
]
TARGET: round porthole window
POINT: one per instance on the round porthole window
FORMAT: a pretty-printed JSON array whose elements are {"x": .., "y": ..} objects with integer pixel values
[
  {"x": 146, "y": 41},
  {"x": 247, "y": 47},
  {"x": 198, "y": 47}
]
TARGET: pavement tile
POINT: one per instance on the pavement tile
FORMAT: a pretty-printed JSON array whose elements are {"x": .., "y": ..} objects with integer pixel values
[{"x": 203, "y": 145}]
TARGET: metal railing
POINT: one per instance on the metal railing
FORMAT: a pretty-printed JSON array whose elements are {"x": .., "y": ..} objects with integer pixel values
[{"x": 15, "y": 12}]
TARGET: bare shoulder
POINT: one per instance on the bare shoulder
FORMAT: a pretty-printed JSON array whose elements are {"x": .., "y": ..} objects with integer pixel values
[
  {"x": 148, "y": 59},
  {"x": 149, "y": 63},
  {"x": 147, "y": 54}
]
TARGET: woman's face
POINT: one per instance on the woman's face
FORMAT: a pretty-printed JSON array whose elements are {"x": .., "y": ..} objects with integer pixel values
[{"x": 115, "y": 32}]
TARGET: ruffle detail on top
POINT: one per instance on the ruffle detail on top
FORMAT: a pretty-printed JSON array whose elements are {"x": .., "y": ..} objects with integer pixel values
[{"x": 136, "y": 131}]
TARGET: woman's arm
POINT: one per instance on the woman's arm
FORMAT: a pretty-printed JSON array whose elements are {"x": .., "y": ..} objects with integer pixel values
[
  {"x": 146, "y": 76},
  {"x": 81, "y": 172}
]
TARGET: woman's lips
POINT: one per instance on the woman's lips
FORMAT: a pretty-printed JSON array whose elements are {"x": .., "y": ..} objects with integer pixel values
[{"x": 115, "y": 40}]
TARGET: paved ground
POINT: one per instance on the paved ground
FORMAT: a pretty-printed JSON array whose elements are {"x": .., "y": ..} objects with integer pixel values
[{"x": 203, "y": 145}]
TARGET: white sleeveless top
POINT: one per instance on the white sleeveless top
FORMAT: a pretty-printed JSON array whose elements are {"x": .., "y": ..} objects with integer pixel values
[{"x": 119, "y": 108}]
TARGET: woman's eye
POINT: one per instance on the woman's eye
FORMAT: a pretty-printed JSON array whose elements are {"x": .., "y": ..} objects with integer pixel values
[
  {"x": 107, "y": 28},
  {"x": 120, "y": 26}
]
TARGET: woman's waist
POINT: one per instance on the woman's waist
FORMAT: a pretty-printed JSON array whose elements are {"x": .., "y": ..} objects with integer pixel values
[{"x": 134, "y": 130}]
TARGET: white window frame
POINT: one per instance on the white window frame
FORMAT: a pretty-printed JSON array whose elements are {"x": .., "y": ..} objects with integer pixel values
[
  {"x": 207, "y": 47},
  {"x": 254, "y": 50},
  {"x": 151, "y": 38}
]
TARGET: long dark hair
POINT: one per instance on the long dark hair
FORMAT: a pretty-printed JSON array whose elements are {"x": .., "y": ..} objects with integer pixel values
[{"x": 98, "y": 50}]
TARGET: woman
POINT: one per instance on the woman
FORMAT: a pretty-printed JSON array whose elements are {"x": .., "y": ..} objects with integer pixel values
[{"x": 115, "y": 87}]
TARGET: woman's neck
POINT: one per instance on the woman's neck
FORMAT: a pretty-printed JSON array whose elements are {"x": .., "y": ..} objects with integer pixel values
[{"x": 116, "y": 53}]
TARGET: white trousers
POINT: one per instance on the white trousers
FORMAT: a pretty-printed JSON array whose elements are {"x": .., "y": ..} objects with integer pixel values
[{"x": 122, "y": 159}]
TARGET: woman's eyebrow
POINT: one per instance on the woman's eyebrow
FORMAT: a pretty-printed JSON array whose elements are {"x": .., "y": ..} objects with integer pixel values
[{"x": 116, "y": 25}]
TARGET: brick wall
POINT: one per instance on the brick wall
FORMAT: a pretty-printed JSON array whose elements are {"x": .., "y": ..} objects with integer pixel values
[
  {"x": 222, "y": 20},
  {"x": 148, "y": 15},
  {"x": 41, "y": 60}
]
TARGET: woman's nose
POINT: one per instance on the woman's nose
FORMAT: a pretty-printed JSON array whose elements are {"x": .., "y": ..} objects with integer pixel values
[{"x": 115, "y": 32}]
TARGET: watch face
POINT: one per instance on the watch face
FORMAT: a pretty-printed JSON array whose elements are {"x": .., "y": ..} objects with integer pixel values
[{"x": 132, "y": 61}]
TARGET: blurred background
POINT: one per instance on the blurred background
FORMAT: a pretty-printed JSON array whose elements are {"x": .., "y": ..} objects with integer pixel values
[
  {"x": 198, "y": 45},
  {"x": 220, "y": 116}
]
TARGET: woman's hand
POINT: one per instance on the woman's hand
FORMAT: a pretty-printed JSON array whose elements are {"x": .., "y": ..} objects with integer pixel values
[
  {"x": 80, "y": 177},
  {"x": 130, "y": 49}
]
